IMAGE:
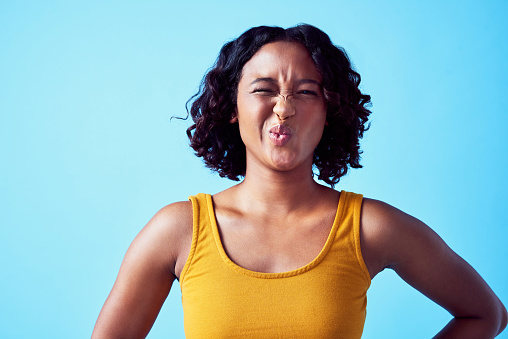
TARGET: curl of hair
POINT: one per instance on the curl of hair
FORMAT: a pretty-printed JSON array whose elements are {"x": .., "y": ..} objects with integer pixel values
[{"x": 218, "y": 141}]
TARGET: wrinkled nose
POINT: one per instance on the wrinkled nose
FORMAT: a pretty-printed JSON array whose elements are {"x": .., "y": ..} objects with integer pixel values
[{"x": 284, "y": 107}]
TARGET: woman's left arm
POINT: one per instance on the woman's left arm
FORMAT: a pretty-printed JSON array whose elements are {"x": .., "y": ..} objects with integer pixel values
[{"x": 393, "y": 239}]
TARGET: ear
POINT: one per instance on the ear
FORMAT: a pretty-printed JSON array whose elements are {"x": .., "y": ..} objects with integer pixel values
[{"x": 234, "y": 117}]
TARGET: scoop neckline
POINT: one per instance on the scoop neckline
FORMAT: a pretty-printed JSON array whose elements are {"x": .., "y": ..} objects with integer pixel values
[{"x": 273, "y": 275}]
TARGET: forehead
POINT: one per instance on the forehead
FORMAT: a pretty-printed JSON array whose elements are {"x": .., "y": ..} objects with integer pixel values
[{"x": 281, "y": 60}]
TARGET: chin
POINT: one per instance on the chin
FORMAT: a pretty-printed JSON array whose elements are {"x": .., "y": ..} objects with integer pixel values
[{"x": 288, "y": 164}]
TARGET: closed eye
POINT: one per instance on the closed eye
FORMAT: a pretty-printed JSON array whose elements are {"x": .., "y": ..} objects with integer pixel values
[
  {"x": 265, "y": 92},
  {"x": 307, "y": 92}
]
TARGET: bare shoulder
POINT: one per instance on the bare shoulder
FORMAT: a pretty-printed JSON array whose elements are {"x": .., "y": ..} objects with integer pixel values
[
  {"x": 173, "y": 219},
  {"x": 389, "y": 234},
  {"x": 160, "y": 244},
  {"x": 170, "y": 231}
]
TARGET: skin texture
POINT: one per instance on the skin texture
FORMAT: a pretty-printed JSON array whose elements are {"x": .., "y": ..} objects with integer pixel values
[{"x": 278, "y": 218}]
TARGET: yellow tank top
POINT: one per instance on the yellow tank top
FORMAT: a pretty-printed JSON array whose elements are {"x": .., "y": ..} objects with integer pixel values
[{"x": 323, "y": 299}]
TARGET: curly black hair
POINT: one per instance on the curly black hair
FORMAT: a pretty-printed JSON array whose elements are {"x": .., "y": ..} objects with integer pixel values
[{"x": 218, "y": 141}]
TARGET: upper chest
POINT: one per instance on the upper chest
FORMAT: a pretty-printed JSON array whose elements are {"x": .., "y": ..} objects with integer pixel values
[{"x": 273, "y": 245}]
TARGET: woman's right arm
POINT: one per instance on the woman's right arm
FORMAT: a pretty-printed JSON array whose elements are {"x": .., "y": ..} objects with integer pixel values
[{"x": 148, "y": 270}]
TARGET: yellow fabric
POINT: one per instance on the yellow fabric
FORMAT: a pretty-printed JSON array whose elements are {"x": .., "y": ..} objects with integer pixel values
[{"x": 323, "y": 299}]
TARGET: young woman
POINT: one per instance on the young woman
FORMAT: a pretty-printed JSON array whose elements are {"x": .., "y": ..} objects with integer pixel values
[{"x": 279, "y": 255}]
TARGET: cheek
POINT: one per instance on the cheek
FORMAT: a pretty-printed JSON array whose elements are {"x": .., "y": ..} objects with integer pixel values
[
  {"x": 316, "y": 124},
  {"x": 316, "y": 114},
  {"x": 252, "y": 109}
]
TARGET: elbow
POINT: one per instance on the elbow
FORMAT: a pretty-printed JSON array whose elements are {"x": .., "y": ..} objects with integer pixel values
[
  {"x": 494, "y": 320},
  {"x": 504, "y": 318}
]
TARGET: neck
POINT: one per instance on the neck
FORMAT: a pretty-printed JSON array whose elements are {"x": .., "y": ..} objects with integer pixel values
[{"x": 282, "y": 191}]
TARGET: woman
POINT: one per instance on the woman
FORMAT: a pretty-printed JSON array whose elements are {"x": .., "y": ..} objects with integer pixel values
[{"x": 279, "y": 255}]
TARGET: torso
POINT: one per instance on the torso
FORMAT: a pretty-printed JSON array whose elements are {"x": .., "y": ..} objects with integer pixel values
[{"x": 318, "y": 275}]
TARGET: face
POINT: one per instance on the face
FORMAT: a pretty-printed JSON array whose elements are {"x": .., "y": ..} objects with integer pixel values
[{"x": 281, "y": 110}]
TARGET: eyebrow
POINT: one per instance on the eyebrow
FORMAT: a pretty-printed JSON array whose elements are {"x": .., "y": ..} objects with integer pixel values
[{"x": 272, "y": 80}]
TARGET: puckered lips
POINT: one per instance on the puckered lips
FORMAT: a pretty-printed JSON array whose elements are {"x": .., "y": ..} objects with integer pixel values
[{"x": 280, "y": 134}]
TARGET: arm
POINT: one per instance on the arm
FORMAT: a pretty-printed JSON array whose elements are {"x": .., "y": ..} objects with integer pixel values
[
  {"x": 393, "y": 239},
  {"x": 148, "y": 270}
]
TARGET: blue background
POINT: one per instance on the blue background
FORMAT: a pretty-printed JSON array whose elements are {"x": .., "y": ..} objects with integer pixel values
[{"x": 89, "y": 154}]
